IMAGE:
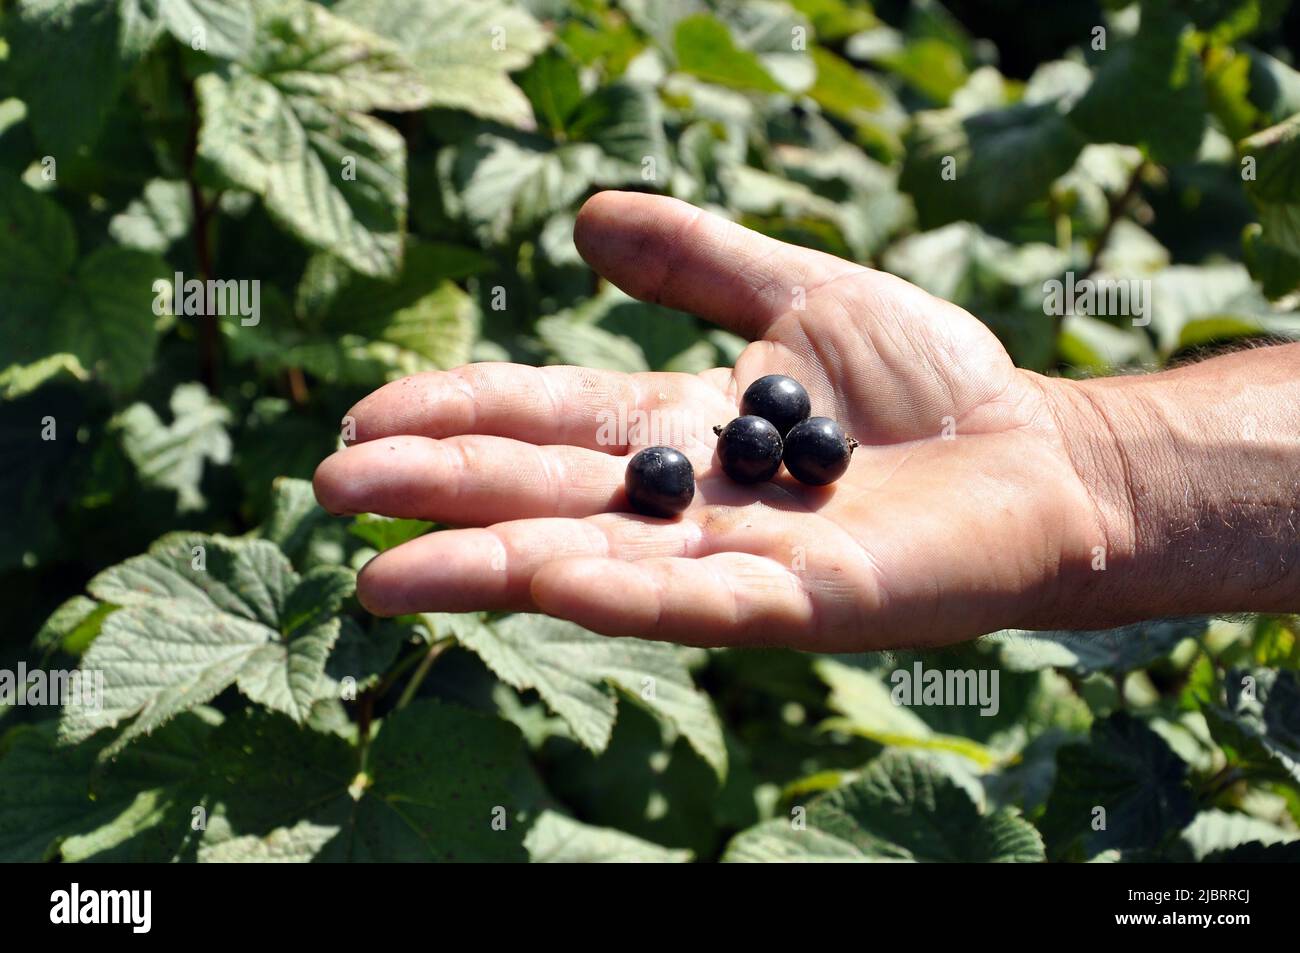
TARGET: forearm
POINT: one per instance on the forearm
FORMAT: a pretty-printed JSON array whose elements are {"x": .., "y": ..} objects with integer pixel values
[{"x": 1195, "y": 476}]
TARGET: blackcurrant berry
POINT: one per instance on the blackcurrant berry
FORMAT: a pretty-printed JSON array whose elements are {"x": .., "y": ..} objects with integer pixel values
[
  {"x": 660, "y": 481},
  {"x": 778, "y": 399},
  {"x": 749, "y": 449},
  {"x": 817, "y": 451}
]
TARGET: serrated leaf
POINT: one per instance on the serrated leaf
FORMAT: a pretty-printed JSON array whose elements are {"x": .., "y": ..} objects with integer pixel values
[
  {"x": 464, "y": 52},
  {"x": 186, "y": 633},
  {"x": 173, "y": 455},
  {"x": 568, "y": 341},
  {"x": 902, "y": 807},
  {"x": 1114, "y": 651},
  {"x": 434, "y": 775},
  {"x": 572, "y": 669},
  {"x": 557, "y": 839},
  {"x": 294, "y": 519},
  {"x": 288, "y": 123},
  {"x": 1128, "y": 771},
  {"x": 1217, "y": 830},
  {"x": 1260, "y": 725},
  {"x": 53, "y": 800},
  {"x": 285, "y": 845},
  {"x": 776, "y": 841},
  {"x": 221, "y": 28},
  {"x": 866, "y": 707},
  {"x": 955, "y": 166},
  {"x": 502, "y": 188},
  {"x": 626, "y": 122},
  {"x": 94, "y": 313}
]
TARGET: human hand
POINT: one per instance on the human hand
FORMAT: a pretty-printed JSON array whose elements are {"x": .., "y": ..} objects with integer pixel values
[{"x": 980, "y": 498}]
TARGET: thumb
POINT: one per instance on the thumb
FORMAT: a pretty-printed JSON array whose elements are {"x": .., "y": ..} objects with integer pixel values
[{"x": 667, "y": 252}]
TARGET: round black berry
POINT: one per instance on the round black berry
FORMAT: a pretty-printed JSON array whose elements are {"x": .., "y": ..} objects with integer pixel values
[
  {"x": 817, "y": 451},
  {"x": 776, "y": 398},
  {"x": 660, "y": 482},
  {"x": 749, "y": 449}
]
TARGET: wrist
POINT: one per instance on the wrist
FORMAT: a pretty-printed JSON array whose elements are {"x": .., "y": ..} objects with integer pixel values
[{"x": 1192, "y": 476}]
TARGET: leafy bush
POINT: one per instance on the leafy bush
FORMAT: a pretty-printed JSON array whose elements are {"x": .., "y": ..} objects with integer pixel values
[{"x": 399, "y": 179}]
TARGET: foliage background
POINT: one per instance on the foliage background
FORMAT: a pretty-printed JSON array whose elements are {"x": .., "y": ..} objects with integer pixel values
[{"x": 179, "y": 434}]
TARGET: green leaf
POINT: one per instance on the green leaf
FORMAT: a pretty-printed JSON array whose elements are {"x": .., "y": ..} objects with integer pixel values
[
  {"x": 570, "y": 341},
  {"x": 385, "y": 532},
  {"x": 288, "y": 123},
  {"x": 1277, "y": 155},
  {"x": 1113, "y": 651},
  {"x": 220, "y": 28},
  {"x": 556, "y": 839},
  {"x": 464, "y": 52},
  {"x": 68, "y": 107},
  {"x": 173, "y": 456},
  {"x": 55, "y": 800},
  {"x": 842, "y": 90},
  {"x": 436, "y": 779},
  {"x": 1148, "y": 91},
  {"x": 777, "y": 841},
  {"x": 572, "y": 669},
  {"x": 1185, "y": 295},
  {"x": 551, "y": 85},
  {"x": 705, "y": 48},
  {"x": 1216, "y": 830},
  {"x": 866, "y": 707},
  {"x": 502, "y": 189},
  {"x": 1276, "y": 269},
  {"x": 72, "y": 626},
  {"x": 901, "y": 807},
  {"x": 1130, "y": 773},
  {"x": 162, "y": 215},
  {"x": 1260, "y": 725},
  {"x": 835, "y": 19},
  {"x": 61, "y": 313},
  {"x": 285, "y": 845},
  {"x": 626, "y": 122},
  {"x": 202, "y": 613},
  {"x": 297, "y": 524},
  {"x": 956, "y": 164}
]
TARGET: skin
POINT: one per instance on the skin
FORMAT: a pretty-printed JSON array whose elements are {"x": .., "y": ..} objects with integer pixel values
[{"x": 980, "y": 499}]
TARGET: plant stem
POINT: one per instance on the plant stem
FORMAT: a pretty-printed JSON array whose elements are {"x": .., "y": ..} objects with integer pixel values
[
  {"x": 209, "y": 333},
  {"x": 413, "y": 686},
  {"x": 1116, "y": 208}
]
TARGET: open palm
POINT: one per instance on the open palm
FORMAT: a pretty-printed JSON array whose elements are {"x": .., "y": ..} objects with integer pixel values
[{"x": 960, "y": 513}]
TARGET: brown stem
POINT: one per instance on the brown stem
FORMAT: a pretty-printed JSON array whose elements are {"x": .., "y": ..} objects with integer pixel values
[
  {"x": 1116, "y": 208},
  {"x": 209, "y": 332}
]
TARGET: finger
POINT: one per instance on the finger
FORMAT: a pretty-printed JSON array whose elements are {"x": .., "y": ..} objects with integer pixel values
[
  {"x": 724, "y": 599},
  {"x": 468, "y": 481},
  {"x": 540, "y": 405},
  {"x": 665, "y": 251},
  {"x": 492, "y": 569}
]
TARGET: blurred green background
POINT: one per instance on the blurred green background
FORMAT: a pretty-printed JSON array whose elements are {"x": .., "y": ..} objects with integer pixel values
[{"x": 400, "y": 178}]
